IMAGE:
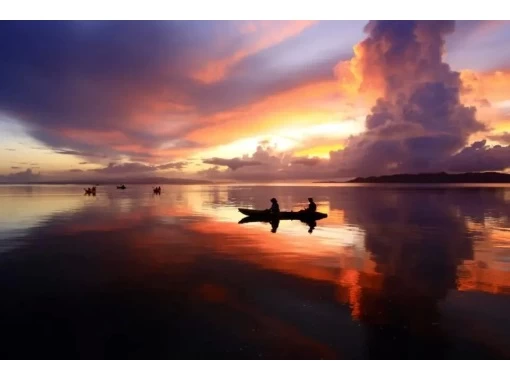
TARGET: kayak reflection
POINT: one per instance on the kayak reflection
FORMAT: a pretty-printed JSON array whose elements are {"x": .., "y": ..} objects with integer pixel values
[
  {"x": 274, "y": 225},
  {"x": 275, "y": 222}
]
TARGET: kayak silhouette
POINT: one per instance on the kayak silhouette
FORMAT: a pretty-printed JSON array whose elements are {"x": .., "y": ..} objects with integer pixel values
[{"x": 265, "y": 215}]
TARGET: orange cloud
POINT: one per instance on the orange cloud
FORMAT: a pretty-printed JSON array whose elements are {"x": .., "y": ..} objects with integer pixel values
[
  {"x": 104, "y": 137},
  {"x": 492, "y": 86},
  {"x": 267, "y": 36},
  {"x": 360, "y": 79},
  {"x": 309, "y": 104},
  {"x": 156, "y": 110},
  {"x": 124, "y": 144},
  {"x": 354, "y": 80},
  {"x": 155, "y": 156},
  {"x": 489, "y": 92},
  {"x": 159, "y": 120}
]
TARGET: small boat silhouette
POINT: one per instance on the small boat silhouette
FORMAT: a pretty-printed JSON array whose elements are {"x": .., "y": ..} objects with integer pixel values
[
  {"x": 121, "y": 187},
  {"x": 90, "y": 191}
]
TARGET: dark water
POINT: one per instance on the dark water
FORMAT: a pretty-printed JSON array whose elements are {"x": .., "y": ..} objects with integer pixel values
[{"x": 393, "y": 272}]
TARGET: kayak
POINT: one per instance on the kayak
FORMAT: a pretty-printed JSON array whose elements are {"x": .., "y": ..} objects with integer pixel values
[
  {"x": 268, "y": 219},
  {"x": 263, "y": 215}
]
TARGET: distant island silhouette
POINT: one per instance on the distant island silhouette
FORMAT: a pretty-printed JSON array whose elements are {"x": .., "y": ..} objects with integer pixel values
[{"x": 442, "y": 177}]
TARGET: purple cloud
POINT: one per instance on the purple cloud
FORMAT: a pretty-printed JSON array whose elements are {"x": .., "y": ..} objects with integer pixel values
[
  {"x": 231, "y": 163},
  {"x": 480, "y": 157},
  {"x": 419, "y": 122},
  {"x": 126, "y": 168},
  {"x": 503, "y": 137},
  {"x": 20, "y": 177},
  {"x": 307, "y": 161},
  {"x": 179, "y": 165},
  {"x": 137, "y": 167},
  {"x": 267, "y": 164},
  {"x": 78, "y": 153}
]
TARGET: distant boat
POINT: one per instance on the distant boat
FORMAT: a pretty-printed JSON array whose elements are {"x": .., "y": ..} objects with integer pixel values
[
  {"x": 90, "y": 191},
  {"x": 121, "y": 187}
]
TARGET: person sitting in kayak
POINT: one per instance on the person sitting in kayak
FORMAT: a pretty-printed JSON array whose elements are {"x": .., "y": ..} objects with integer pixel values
[
  {"x": 275, "y": 208},
  {"x": 312, "y": 207}
]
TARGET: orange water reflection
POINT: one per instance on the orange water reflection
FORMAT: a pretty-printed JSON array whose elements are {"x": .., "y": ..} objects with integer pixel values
[
  {"x": 489, "y": 269},
  {"x": 392, "y": 259}
]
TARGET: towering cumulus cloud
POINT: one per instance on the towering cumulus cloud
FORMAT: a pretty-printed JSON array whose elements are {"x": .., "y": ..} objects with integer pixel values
[{"x": 417, "y": 122}]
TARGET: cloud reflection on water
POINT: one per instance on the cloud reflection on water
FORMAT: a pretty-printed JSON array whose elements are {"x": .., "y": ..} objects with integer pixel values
[{"x": 384, "y": 269}]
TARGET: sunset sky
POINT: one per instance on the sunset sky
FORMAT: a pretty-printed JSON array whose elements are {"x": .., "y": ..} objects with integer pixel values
[{"x": 252, "y": 100}]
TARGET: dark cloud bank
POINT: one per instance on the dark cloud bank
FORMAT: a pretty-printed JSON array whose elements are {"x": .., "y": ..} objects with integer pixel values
[
  {"x": 418, "y": 124},
  {"x": 21, "y": 177}
]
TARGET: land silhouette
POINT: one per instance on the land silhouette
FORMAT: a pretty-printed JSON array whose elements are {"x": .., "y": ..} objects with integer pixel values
[{"x": 441, "y": 177}]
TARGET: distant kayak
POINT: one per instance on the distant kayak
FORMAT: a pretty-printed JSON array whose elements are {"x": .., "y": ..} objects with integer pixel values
[
  {"x": 121, "y": 187},
  {"x": 263, "y": 215}
]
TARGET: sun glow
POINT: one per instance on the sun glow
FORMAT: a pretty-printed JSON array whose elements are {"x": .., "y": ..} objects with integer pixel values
[
  {"x": 319, "y": 151},
  {"x": 315, "y": 140},
  {"x": 341, "y": 129}
]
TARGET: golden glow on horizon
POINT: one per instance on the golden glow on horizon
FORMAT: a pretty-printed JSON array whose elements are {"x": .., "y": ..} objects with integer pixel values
[
  {"x": 320, "y": 151},
  {"x": 314, "y": 140},
  {"x": 303, "y": 106},
  {"x": 27, "y": 153},
  {"x": 501, "y": 126},
  {"x": 340, "y": 129}
]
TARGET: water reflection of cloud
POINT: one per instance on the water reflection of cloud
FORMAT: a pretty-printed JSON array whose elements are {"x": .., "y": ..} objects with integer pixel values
[
  {"x": 394, "y": 259},
  {"x": 25, "y": 207}
]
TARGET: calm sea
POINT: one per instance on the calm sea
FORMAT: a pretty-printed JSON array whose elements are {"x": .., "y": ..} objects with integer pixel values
[{"x": 393, "y": 272}]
